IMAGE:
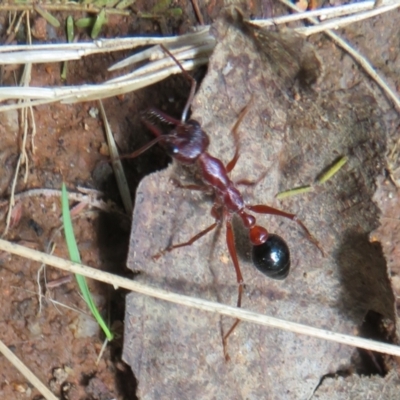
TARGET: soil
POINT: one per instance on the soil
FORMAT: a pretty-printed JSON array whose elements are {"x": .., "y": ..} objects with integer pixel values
[{"x": 58, "y": 339}]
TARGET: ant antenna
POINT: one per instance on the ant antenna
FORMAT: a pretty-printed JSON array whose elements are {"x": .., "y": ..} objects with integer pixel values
[{"x": 189, "y": 78}]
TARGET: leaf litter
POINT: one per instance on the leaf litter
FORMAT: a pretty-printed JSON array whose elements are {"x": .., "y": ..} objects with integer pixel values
[{"x": 292, "y": 131}]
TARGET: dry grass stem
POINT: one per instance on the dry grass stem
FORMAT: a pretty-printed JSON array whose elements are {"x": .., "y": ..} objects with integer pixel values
[
  {"x": 116, "y": 163},
  {"x": 197, "y": 303},
  {"x": 103, "y": 348},
  {"x": 192, "y": 49},
  {"x": 340, "y": 23},
  {"x": 74, "y": 94},
  {"x": 361, "y": 60},
  {"x": 55, "y": 302},
  {"x": 322, "y": 13},
  {"x": 23, "y": 156},
  {"x": 39, "y": 53},
  {"x": 26, "y": 372},
  {"x": 92, "y": 199},
  {"x": 50, "y": 248}
]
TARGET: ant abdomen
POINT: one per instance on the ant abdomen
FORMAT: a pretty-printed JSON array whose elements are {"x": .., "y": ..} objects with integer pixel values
[{"x": 272, "y": 258}]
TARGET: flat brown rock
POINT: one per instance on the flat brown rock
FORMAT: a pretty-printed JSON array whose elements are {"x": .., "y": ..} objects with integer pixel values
[{"x": 176, "y": 352}]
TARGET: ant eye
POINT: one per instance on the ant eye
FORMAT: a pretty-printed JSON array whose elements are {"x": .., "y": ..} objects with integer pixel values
[
  {"x": 272, "y": 258},
  {"x": 171, "y": 149}
]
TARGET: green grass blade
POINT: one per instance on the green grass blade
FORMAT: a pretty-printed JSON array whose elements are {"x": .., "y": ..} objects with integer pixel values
[
  {"x": 100, "y": 21},
  {"x": 124, "y": 4},
  {"x": 70, "y": 38},
  {"x": 47, "y": 16},
  {"x": 75, "y": 257},
  {"x": 332, "y": 170},
  {"x": 85, "y": 22}
]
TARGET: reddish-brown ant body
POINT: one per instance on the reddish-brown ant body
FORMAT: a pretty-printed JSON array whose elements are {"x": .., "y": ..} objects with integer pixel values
[{"x": 187, "y": 143}]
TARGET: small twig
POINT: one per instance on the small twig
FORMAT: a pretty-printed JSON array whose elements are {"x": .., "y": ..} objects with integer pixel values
[
  {"x": 26, "y": 372},
  {"x": 94, "y": 92},
  {"x": 11, "y": 23},
  {"x": 322, "y": 13},
  {"x": 119, "y": 173},
  {"x": 78, "y": 50},
  {"x": 77, "y": 310},
  {"x": 103, "y": 348},
  {"x": 19, "y": 22},
  {"x": 62, "y": 305},
  {"x": 161, "y": 62},
  {"x": 51, "y": 247},
  {"x": 340, "y": 23},
  {"x": 11, "y": 202},
  {"x": 204, "y": 305},
  {"x": 90, "y": 199},
  {"x": 197, "y": 11},
  {"x": 23, "y": 156},
  {"x": 58, "y": 282},
  {"x": 33, "y": 128}
]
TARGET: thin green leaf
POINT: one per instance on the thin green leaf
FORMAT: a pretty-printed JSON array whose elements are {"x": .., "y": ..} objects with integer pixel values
[
  {"x": 75, "y": 257},
  {"x": 105, "y": 3},
  {"x": 124, "y": 4},
  {"x": 161, "y": 6},
  {"x": 293, "y": 192},
  {"x": 145, "y": 15},
  {"x": 332, "y": 170},
  {"x": 70, "y": 29},
  {"x": 111, "y": 3},
  {"x": 47, "y": 16},
  {"x": 70, "y": 38},
  {"x": 100, "y": 21},
  {"x": 175, "y": 12},
  {"x": 84, "y": 22}
]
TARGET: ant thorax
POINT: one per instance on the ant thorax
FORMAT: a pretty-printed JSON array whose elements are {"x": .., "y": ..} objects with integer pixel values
[{"x": 215, "y": 175}]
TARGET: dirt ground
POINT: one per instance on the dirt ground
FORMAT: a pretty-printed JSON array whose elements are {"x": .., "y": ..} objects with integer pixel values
[{"x": 55, "y": 337}]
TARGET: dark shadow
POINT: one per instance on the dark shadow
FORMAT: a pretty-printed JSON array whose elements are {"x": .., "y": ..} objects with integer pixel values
[
  {"x": 113, "y": 241},
  {"x": 364, "y": 281},
  {"x": 378, "y": 328},
  {"x": 126, "y": 381},
  {"x": 113, "y": 230},
  {"x": 366, "y": 290}
]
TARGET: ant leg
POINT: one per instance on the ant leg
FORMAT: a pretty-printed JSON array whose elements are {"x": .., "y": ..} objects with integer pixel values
[
  {"x": 188, "y": 243},
  {"x": 194, "y": 238},
  {"x": 263, "y": 209},
  {"x": 215, "y": 213},
  {"x": 230, "y": 241},
  {"x": 231, "y": 164},
  {"x": 144, "y": 148},
  {"x": 189, "y": 78}
]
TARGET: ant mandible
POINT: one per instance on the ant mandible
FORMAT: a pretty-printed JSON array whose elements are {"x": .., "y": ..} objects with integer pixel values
[{"x": 188, "y": 143}]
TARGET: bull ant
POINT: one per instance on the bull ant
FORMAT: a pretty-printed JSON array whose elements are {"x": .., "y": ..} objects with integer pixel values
[{"x": 187, "y": 143}]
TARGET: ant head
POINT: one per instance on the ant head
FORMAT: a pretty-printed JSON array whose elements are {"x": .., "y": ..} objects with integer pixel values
[{"x": 186, "y": 142}]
